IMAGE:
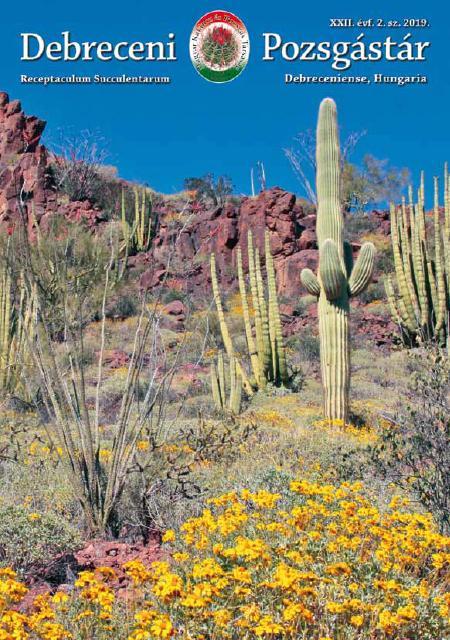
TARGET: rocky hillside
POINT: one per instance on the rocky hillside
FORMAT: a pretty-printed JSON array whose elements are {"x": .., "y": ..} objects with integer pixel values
[{"x": 27, "y": 183}]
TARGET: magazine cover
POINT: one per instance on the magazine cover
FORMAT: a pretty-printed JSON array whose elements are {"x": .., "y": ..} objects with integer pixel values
[{"x": 224, "y": 321}]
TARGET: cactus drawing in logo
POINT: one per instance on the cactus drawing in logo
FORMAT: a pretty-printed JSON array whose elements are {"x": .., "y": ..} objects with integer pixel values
[{"x": 219, "y": 46}]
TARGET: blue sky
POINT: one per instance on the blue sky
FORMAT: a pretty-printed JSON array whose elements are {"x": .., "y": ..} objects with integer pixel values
[{"x": 162, "y": 134}]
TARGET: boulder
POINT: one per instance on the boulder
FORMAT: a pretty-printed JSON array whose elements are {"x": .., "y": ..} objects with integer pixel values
[{"x": 175, "y": 308}]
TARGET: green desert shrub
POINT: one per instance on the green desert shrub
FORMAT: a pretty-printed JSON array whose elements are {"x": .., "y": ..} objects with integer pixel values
[
  {"x": 122, "y": 305},
  {"x": 172, "y": 294},
  {"x": 309, "y": 346},
  {"x": 359, "y": 223},
  {"x": 413, "y": 450},
  {"x": 210, "y": 189},
  {"x": 303, "y": 304},
  {"x": 170, "y": 482},
  {"x": 385, "y": 261},
  {"x": 30, "y": 541},
  {"x": 374, "y": 291}
]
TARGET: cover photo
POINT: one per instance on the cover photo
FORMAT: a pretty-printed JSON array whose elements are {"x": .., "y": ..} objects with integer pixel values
[{"x": 224, "y": 321}]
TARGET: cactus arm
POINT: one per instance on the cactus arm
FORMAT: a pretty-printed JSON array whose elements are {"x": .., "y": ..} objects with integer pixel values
[
  {"x": 422, "y": 189},
  {"x": 232, "y": 382},
  {"x": 420, "y": 269},
  {"x": 267, "y": 354},
  {"x": 446, "y": 201},
  {"x": 404, "y": 292},
  {"x": 256, "y": 308},
  {"x": 235, "y": 399},
  {"x": 330, "y": 270},
  {"x": 246, "y": 313},
  {"x": 149, "y": 228},
  {"x": 125, "y": 226},
  {"x": 279, "y": 355},
  {"x": 273, "y": 338},
  {"x": 363, "y": 269},
  {"x": 218, "y": 301},
  {"x": 221, "y": 376},
  {"x": 390, "y": 294},
  {"x": 405, "y": 227},
  {"x": 446, "y": 233},
  {"x": 412, "y": 219},
  {"x": 272, "y": 290},
  {"x": 136, "y": 215},
  {"x": 310, "y": 282},
  {"x": 228, "y": 344},
  {"x": 397, "y": 307},
  {"x": 142, "y": 221},
  {"x": 441, "y": 310},
  {"x": 431, "y": 300},
  {"x": 9, "y": 330},
  {"x": 218, "y": 386},
  {"x": 431, "y": 281},
  {"x": 215, "y": 388},
  {"x": 4, "y": 330}
]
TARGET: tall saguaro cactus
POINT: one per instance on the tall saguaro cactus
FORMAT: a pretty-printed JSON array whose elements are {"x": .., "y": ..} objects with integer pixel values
[{"x": 338, "y": 279}]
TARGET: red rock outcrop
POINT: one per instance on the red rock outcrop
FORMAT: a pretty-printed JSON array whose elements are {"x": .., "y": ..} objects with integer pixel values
[
  {"x": 292, "y": 239},
  {"x": 26, "y": 174},
  {"x": 114, "y": 554},
  {"x": 24, "y": 163}
]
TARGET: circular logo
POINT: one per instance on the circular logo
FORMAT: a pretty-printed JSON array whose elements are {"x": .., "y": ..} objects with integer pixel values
[{"x": 219, "y": 46}]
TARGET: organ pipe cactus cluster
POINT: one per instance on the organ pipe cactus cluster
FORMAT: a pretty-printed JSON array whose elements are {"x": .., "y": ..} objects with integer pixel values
[
  {"x": 219, "y": 385},
  {"x": 264, "y": 336},
  {"x": 337, "y": 279},
  {"x": 420, "y": 298},
  {"x": 138, "y": 236}
]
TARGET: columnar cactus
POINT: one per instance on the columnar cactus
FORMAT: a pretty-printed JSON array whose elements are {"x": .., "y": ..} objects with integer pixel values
[
  {"x": 420, "y": 299},
  {"x": 279, "y": 365},
  {"x": 227, "y": 341},
  {"x": 337, "y": 278},
  {"x": 138, "y": 236},
  {"x": 264, "y": 340},
  {"x": 219, "y": 386}
]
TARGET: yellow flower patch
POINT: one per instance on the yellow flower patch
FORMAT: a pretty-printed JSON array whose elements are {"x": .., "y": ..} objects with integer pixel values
[{"x": 319, "y": 562}]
